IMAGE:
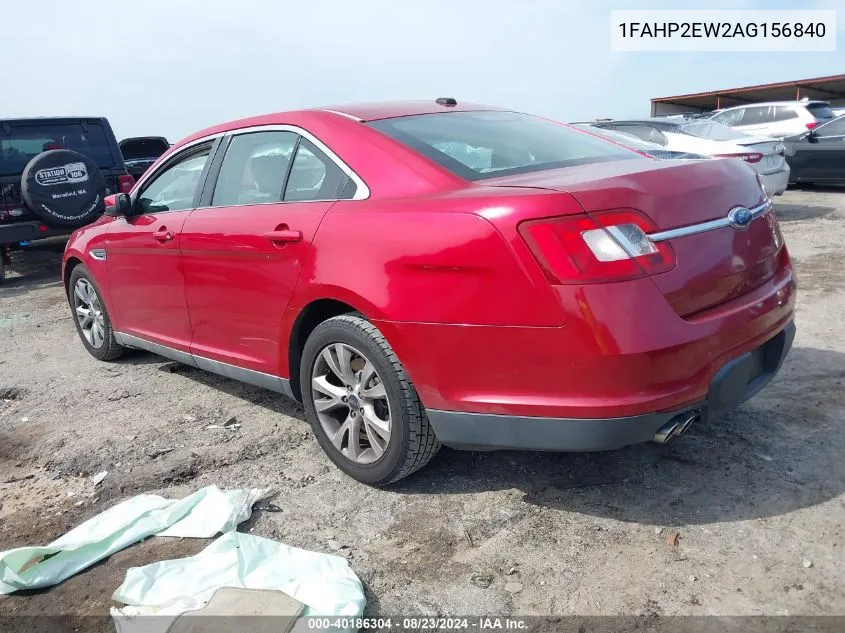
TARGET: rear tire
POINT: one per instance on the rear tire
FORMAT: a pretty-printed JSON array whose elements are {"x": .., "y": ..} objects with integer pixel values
[
  {"x": 91, "y": 316},
  {"x": 357, "y": 439}
]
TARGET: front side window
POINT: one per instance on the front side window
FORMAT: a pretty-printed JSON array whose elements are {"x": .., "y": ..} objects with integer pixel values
[
  {"x": 314, "y": 176},
  {"x": 254, "y": 169},
  {"x": 478, "y": 145},
  {"x": 174, "y": 188},
  {"x": 834, "y": 128}
]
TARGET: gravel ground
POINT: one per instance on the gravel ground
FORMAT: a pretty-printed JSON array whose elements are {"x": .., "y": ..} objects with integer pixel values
[{"x": 755, "y": 498}]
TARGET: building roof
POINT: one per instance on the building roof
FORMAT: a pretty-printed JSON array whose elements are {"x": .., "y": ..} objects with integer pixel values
[{"x": 830, "y": 88}]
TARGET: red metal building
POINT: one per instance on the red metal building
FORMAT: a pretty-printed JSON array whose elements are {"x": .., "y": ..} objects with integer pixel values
[{"x": 830, "y": 89}]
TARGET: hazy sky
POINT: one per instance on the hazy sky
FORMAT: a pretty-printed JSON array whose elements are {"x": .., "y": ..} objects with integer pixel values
[{"x": 171, "y": 67}]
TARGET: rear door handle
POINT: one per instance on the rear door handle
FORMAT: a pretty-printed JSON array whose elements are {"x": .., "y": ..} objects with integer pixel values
[
  {"x": 163, "y": 235},
  {"x": 282, "y": 234}
]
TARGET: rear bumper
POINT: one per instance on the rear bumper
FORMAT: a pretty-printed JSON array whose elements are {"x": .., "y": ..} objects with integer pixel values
[
  {"x": 775, "y": 183},
  {"x": 623, "y": 352},
  {"x": 736, "y": 381},
  {"x": 29, "y": 232}
]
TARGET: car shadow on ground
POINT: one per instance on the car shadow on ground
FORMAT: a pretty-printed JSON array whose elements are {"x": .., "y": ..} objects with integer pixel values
[
  {"x": 780, "y": 452},
  {"x": 777, "y": 453},
  {"x": 787, "y": 212},
  {"x": 32, "y": 269}
]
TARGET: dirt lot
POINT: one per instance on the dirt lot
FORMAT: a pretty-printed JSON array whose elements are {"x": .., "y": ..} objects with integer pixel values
[{"x": 756, "y": 496}]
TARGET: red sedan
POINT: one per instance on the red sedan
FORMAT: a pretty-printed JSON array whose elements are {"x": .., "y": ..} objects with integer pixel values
[{"x": 433, "y": 273}]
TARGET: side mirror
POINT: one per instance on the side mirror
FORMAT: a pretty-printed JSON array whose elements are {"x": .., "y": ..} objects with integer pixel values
[
  {"x": 812, "y": 136},
  {"x": 118, "y": 204}
]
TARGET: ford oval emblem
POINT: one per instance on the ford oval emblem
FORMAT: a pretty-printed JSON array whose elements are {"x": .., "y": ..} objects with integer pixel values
[{"x": 739, "y": 218}]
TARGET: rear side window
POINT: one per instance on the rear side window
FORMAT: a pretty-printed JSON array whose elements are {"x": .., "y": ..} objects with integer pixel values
[
  {"x": 757, "y": 115},
  {"x": 784, "y": 113},
  {"x": 729, "y": 117},
  {"x": 254, "y": 169},
  {"x": 314, "y": 176},
  {"x": 478, "y": 145},
  {"x": 22, "y": 143},
  {"x": 647, "y": 133},
  {"x": 820, "y": 110}
]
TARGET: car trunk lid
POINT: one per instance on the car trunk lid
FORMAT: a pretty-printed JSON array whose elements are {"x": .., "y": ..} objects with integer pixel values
[
  {"x": 143, "y": 148},
  {"x": 773, "y": 152},
  {"x": 711, "y": 267}
]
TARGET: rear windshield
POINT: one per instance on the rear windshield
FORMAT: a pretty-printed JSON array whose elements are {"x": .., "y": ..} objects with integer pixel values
[
  {"x": 820, "y": 110},
  {"x": 712, "y": 130},
  {"x": 478, "y": 145},
  {"x": 24, "y": 142}
]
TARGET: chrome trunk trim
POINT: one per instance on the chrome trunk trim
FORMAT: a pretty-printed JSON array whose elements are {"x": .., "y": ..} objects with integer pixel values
[{"x": 703, "y": 227}]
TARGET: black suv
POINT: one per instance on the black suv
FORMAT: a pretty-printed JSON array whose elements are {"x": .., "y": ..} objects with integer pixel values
[{"x": 54, "y": 174}]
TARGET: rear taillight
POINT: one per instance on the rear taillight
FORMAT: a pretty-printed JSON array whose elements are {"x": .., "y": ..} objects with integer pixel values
[
  {"x": 609, "y": 246},
  {"x": 750, "y": 157},
  {"x": 125, "y": 183},
  {"x": 811, "y": 124}
]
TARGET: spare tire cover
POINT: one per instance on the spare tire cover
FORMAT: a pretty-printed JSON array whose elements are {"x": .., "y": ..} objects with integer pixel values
[{"x": 63, "y": 187}]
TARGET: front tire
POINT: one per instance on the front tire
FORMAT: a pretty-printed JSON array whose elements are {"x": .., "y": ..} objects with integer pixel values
[
  {"x": 361, "y": 404},
  {"x": 91, "y": 317}
]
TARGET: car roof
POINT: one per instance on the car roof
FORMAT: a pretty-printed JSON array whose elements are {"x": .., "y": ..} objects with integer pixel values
[
  {"x": 391, "y": 109},
  {"x": 144, "y": 138},
  {"x": 660, "y": 123},
  {"x": 360, "y": 112},
  {"x": 52, "y": 119},
  {"x": 778, "y": 103}
]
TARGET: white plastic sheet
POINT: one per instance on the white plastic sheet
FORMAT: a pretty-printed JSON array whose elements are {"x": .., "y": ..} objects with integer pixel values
[
  {"x": 324, "y": 583},
  {"x": 202, "y": 514}
]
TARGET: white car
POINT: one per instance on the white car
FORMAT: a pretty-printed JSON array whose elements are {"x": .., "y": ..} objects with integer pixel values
[
  {"x": 777, "y": 119},
  {"x": 707, "y": 137}
]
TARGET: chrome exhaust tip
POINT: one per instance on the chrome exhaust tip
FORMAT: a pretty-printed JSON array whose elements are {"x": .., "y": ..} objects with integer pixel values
[
  {"x": 682, "y": 428},
  {"x": 665, "y": 432},
  {"x": 675, "y": 427}
]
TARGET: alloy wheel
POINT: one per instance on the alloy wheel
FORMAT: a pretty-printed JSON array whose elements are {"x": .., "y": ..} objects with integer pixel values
[
  {"x": 351, "y": 403},
  {"x": 89, "y": 313}
]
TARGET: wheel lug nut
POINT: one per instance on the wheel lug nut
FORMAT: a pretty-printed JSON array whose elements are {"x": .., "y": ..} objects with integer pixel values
[
  {"x": 361, "y": 409},
  {"x": 349, "y": 387},
  {"x": 344, "y": 399}
]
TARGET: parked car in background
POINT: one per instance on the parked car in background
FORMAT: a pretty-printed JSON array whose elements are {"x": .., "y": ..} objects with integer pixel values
[
  {"x": 54, "y": 176},
  {"x": 629, "y": 140},
  {"x": 777, "y": 119},
  {"x": 444, "y": 273},
  {"x": 818, "y": 156},
  {"x": 710, "y": 138},
  {"x": 142, "y": 151}
]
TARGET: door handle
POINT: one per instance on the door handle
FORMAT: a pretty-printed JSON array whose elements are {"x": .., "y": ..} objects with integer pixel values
[
  {"x": 282, "y": 234},
  {"x": 163, "y": 235}
]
